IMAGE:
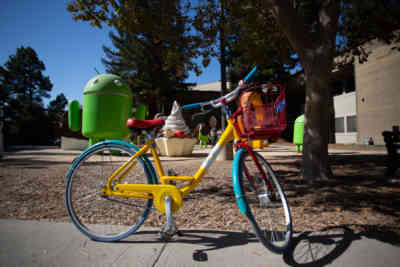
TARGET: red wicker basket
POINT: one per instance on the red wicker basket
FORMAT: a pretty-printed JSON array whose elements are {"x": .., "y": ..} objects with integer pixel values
[{"x": 265, "y": 119}]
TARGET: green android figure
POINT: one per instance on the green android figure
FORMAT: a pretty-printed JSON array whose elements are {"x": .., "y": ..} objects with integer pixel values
[{"x": 107, "y": 104}]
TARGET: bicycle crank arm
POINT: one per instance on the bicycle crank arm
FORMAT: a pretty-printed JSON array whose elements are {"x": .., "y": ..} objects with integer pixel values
[{"x": 157, "y": 192}]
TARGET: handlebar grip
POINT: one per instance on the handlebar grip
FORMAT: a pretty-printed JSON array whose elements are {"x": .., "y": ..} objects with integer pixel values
[
  {"x": 250, "y": 74},
  {"x": 190, "y": 106}
]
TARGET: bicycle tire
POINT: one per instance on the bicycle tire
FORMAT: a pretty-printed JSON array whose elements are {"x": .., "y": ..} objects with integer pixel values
[
  {"x": 267, "y": 212},
  {"x": 106, "y": 219}
]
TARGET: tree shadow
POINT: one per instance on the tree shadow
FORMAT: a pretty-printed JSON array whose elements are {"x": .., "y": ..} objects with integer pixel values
[
  {"x": 31, "y": 163},
  {"x": 43, "y": 153},
  {"x": 358, "y": 182}
]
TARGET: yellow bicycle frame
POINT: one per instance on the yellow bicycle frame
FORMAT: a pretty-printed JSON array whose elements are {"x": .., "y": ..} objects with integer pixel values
[{"x": 158, "y": 192}]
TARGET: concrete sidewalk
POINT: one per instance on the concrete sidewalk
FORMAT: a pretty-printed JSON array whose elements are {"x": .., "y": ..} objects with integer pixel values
[{"x": 34, "y": 243}]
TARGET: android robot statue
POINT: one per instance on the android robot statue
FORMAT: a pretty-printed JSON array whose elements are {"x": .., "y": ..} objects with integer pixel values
[{"x": 107, "y": 104}]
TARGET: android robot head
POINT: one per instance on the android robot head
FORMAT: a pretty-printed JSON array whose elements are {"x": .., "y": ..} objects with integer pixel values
[{"x": 107, "y": 104}]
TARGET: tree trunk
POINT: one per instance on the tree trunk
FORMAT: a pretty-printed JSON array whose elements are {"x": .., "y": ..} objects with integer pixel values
[
  {"x": 332, "y": 137},
  {"x": 317, "y": 117},
  {"x": 315, "y": 47}
]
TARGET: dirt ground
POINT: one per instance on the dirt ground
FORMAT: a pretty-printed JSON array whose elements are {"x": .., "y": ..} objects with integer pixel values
[{"x": 359, "y": 197}]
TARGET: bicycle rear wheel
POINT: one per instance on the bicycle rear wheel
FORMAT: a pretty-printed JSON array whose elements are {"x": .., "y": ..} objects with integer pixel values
[
  {"x": 263, "y": 201},
  {"x": 99, "y": 217}
]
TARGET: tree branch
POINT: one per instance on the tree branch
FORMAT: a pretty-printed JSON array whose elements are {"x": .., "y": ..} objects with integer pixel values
[
  {"x": 328, "y": 20},
  {"x": 291, "y": 23}
]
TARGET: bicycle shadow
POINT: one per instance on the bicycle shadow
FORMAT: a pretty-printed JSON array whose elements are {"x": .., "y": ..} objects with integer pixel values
[
  {"x": 313, "y": 248},
  {"x": 214, "y": 239},
  {"x": 210, "y": 239},
  {"x": 323, "y": 247},
  {"x": 307, "y": 249},
  {"x": 319, "y": 248}
]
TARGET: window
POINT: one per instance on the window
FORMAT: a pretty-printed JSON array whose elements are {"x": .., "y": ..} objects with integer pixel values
[
  {"x": 343, "y": 80},
  {"x": 339, "y": 125},
  {"x": 337, "y": 88},
  {"x": 350, "y": 85},
  {"x": 351, "y": 123}
]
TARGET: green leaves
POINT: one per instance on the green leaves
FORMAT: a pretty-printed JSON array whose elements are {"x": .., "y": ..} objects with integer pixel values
[
  {"x": 22, "y": 88},
  {"x": 154, "y": 43},
  {"x": 23, "y": 78},
  {"x": 362, "y": 21}
]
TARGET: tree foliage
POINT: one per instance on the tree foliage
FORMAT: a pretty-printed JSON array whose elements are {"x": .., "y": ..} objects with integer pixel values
[
  {"x": 255, "y": 39},
  {"x": 23, "y": 78},
  {"x": 56, "y": 108},
  {"x": 163, "y": 22},
  {"x": 23, "y": 87},
  {"x": 364, "y": 20},
  {"x": 153, "y": 69},
  {"x": 251, "y": 37},
  {"x": 154, "y": 48},
  {"x": 317, "y": 31}
]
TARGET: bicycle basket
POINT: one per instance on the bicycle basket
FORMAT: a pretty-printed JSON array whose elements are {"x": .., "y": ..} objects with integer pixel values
[{"x": 263, "y": 112}]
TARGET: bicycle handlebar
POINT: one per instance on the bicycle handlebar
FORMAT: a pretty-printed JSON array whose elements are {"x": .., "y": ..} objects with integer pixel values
[
  {"x": 191, "y": 106},
  {"x": 248, "y": 77},
  {"x": 223, "y": 99}
]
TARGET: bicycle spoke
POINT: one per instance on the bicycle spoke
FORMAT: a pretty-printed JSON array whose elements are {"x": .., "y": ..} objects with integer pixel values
[
  {"x": 95, "y": 215},
  {"x": 266, "y": 202}
]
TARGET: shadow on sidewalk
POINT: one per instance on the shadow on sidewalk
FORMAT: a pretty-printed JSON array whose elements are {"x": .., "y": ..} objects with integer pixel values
[
  {"x": 323, "y": 247},
  {"x": 307, "y": 249},
  {"x": 211, "y": 239}
]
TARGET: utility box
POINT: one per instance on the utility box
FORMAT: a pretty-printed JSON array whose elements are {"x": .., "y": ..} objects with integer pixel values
[{"x": 298, "y": 133}]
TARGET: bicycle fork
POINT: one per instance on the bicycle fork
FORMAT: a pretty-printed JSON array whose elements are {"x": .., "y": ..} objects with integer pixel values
[{"x": 259, "y": 168}]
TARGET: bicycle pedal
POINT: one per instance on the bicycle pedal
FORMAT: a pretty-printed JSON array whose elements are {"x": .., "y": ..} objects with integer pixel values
[
  {"x": 272, "y": 198},
  {"x": 199, "y": 255},
  {"x": 167, "y": 234}
]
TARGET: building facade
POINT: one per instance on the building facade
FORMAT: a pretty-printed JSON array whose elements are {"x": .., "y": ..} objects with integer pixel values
[{"x": 374, "y": 105}]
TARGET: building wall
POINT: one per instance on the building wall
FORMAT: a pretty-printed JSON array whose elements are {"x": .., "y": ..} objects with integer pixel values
[
  {"x": 378, "y": 92},
  {"x": 345, "y": 107}
]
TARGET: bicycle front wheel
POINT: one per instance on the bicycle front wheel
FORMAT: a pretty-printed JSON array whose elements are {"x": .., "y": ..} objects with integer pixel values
[
  {"x": 106, "y": 218},
  {"x": 263, "y": 200}
]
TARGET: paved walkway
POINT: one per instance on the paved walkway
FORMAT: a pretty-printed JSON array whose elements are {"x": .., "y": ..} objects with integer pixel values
[{"x": 32, "y": 243}]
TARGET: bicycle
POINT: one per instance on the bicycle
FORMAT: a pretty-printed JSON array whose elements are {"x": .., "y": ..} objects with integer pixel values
[{"x": 133, "y": 181}]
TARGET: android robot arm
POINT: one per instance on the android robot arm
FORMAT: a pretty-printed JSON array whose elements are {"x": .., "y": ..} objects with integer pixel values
[
  {"x": 75, "y": 119},
  {"x": 74, "y": 115}
]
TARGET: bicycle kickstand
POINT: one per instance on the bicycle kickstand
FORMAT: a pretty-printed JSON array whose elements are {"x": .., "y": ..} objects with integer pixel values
[{"x": 169, "y": 230}]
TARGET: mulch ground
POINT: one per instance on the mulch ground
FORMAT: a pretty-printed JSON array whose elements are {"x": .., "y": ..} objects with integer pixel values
[{"x": 359, "y": 197}]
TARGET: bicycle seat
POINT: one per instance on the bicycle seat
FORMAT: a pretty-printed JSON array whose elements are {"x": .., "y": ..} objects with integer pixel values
[{"x": 133, "y": 123}]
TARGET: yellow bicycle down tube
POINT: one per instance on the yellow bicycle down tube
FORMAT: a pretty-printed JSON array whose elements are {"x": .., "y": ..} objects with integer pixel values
[
  {"x": 227, "y": 136},
  {"x": 125, "y": 168}
]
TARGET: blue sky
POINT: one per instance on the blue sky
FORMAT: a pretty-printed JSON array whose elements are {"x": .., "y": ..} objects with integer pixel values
[{"x": 71, "y": 50}]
